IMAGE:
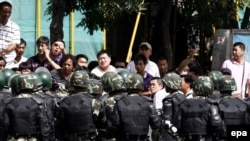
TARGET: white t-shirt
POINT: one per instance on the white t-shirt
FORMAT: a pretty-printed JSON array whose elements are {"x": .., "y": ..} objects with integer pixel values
[
  {"x": 99, "y": 72},
  {"x": 15, "y": 64},
  {"x": 158, "y": 97},
  {"x": 150, "y": 67}
]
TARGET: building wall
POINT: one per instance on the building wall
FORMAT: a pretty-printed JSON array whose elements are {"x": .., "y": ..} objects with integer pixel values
[{"x": 24, "y": 13}]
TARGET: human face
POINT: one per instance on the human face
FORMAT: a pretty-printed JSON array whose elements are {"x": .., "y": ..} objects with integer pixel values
[
  {"x": 163, "y": 66},
  {"x": 20, "y": 49},
  {"x": 56, "y": 48},
  {"x": 104, "y": 61},
  {"x": 82, "y": 62},
  {"x": 154, "y": 86},
  {"x": 5, "y": 14},
  {"x": 184, "y": 86},
  {"x": 2, "y": 64},
  {"x": 140, "y": 66},
  {"x": 67, "y": 66},
  {"x": 238, "y": 53},
  {"x": 120, "y": 65},
  {"x": 41, "y": 48},
  {"x": 145, "y": 51},
  {"x": 25, "y": 71}
]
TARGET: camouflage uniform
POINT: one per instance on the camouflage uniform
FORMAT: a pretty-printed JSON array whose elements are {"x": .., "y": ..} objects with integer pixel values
[
  {"x": 114, "y": 85},
  {"x": 27, "y": 113},
  {"x": 134, "y": 113},
  {"x": 215, "y": 76},
  {"x": 232, "y": 110},
  {"x": 170, "y": 109},
  {"x": 79, "y": 114},
  {"x": 198, "y": 119},
  {"x": 95, "y": 88}
]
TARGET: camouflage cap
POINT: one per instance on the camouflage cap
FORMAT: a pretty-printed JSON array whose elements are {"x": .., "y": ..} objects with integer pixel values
[
  {"x": 172, "y": 80},
  {"x": 95, "y": 86},
  {"x": 123, "y": 73},
  {"x": 111, "y": 81},
  {"x": 203, "y": 86},
  {"x": 215, "y": 76},
  {"x": 134, "y": 81},
  {"x": 79, "y": 78},
  {"x": 26, "y": 82},
  {"x": 227, "y": 83}
]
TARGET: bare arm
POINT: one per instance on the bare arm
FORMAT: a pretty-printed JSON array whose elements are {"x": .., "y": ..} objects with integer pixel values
[
  {"x": 8, "y": 49},
  {"x": 52, "y": 62},
  {"x": 186, "y": 61}
]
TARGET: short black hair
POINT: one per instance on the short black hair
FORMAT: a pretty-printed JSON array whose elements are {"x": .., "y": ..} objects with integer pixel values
[
  {"x": 66, "y": 57},
  {"x": 5, "y": 3},
  {"x": 159, "y": 81},
  {"x": 81, "y": 56},
  {"x": 140, "y": 57},
  {"x": 240, "y": 44},
  {"x": 188, "y": 79},
  {"x": 22, "y": 41},
  {"x": 103, "y": 52},
  {"x": 2, "y": 59},
  {"x": 42, "y": 39},
  {"x": 58, "y": 39},
  {"x": 25, "y": 65}
]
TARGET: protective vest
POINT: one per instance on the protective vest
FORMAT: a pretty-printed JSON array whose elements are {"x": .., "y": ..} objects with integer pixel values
[
  {"x": 233, "y": 111},
  {"x": 25, "y": 116},
  {"x": 194, "y": 117},
  {"x": 171, "y": 108},
  {"x": 134, "y": 115},
  {"x": 76, "y": 114}
]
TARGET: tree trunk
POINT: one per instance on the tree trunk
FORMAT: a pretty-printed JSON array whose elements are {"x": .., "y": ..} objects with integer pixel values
[{"x": 56, "y": 26}]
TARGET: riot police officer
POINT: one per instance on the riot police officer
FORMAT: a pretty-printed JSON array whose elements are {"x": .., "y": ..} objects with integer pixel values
[
  {"x": 95, "y": 88},
  {"x": 215, "y": 76},
  {"x": 233, "y": 110},
  {"x": 136, "y": 113},
  {"x": 114, "y": 85},
  {"x": 3, "y": 98},
  {"x": 27, "y": 113},
  {"x": 170, "y": 109},
  {"x": 78, "y": 113},
  {"x": 198, "y": 118}
]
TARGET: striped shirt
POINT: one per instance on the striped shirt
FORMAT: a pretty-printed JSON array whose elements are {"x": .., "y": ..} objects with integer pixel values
[{"x": 9, "y": 34}]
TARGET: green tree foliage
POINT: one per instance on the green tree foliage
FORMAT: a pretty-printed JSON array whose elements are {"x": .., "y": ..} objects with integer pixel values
[
  {"x": 205, "y": 14},
  {"x": 98, "y": 14}
]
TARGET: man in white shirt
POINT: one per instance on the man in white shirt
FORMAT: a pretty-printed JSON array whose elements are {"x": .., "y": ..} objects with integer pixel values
[
  {"x": 240, "y": 70},
  {"x": 9, "y": 33},
  {"x": 146, "y": 49},
  {"x": 157, "y": 88},
  {"x": 19, "y": 55},
  {"x": 187, "y": 85},
  {"x": 104, "y": 60}
]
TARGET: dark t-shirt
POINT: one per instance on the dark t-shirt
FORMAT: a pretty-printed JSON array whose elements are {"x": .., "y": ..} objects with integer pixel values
[{"x": 35, "y": 63}]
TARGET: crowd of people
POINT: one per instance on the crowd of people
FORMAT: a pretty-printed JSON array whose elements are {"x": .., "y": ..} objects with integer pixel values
[{"x": 55, "y": 95}]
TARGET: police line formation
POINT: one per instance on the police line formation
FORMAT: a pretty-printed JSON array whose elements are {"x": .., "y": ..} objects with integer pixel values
[{"x": 82, "y": 112}]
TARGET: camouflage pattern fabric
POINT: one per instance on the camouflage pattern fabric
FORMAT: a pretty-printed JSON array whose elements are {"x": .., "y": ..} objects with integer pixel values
[
  {"x": 227, "y": 83},
  {"x": 26, "y": 82},
  {"x": 80, "y": 79},
  {"x": 95, "y": 87},
  {"x": 134, "y": 81},
  {"x": 203, "y": 86},
  {"x": 215, "y": 76},
  {"x": 111, "y": 81},
  {"x": 172, "y": 80}
]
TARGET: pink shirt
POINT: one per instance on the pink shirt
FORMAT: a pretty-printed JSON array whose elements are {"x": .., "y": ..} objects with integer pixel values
[{"x": 237, "y": 74}]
